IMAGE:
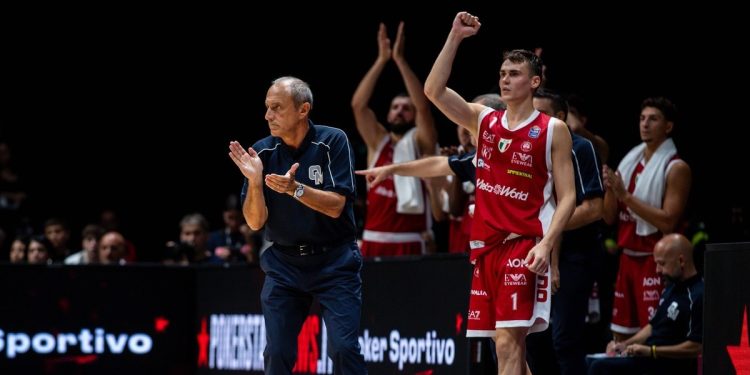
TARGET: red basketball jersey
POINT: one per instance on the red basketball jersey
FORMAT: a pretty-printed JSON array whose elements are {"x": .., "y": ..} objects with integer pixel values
[
  {"x": 381, "y": 202},
  {"x": 514, "y": 179}
]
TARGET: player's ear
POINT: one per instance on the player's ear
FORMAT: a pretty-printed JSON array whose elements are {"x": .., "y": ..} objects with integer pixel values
[
  {"x": 304, "y": 109},
  {"x": 536, "y": 81}
]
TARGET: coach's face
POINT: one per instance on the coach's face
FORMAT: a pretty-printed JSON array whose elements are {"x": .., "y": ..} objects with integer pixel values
[{"x": 281, "y": 113}]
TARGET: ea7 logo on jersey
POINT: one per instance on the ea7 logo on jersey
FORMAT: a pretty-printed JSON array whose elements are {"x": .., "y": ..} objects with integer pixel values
[
  {"x": 488, "y": 137},
  {"x": 315, "y": 174},
  {"x": 474, "y": 314}
]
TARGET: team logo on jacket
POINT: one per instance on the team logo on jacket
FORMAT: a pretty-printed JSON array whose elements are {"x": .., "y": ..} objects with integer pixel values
[
  {"x": 534, "y": 131},
  {"x": 504, "y": 144},
  {"x": 314, "y": 173},
  {"x": 673, "y": 311}
]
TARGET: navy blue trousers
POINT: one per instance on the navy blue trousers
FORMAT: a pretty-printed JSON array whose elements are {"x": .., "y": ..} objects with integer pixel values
[
  {"x": 291, "y": 284},
  {"x": 570, "y": 306},
  {"x": 642, "y": 366}
]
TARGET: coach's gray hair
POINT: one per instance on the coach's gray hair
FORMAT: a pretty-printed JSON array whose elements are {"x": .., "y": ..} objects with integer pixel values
[{"x": 298, "y": 88}]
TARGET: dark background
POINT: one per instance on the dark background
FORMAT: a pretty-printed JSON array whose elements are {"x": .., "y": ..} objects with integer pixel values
[{"x": 134, "y": 109}]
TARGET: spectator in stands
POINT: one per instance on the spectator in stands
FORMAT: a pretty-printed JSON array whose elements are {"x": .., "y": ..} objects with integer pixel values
[
  {"x": 89, "y": 243},
  {"x": 57, "y": 232},
  {"x": 18, "y": 249},
  {"x": 38, "y": 251},
  {"x": 193, "y": 245},
  {"x": 110, "y": 221},
  {"x": 227, "y": 243},
  {"x": 112, "y": 249}
]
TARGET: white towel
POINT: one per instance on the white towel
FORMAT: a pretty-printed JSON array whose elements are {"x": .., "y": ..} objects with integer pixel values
[
  {"x": 409, "y": 196},
  {"x": 652, "y": 181}
]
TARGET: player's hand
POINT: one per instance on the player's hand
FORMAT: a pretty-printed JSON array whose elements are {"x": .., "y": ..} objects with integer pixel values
[
  {"x": 449, "y": 150},
  {"x": 284, "y": 184},
  {"x": 398, "y": 45},
  {"x": 375, "y": 175},
  {"x": 613, "y": 182},
  {"x": 615, "y": 348},
  {"x": 537, "y": 259},
  {"x": 465, "y": 24},
  {"x": 384, "y": 44},
  {"x": 248, "y": 161},
  {"x": 638, "y": 350}
]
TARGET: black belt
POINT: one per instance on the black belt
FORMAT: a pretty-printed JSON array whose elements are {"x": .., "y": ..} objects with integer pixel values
[{"x": 304, "y": 250}]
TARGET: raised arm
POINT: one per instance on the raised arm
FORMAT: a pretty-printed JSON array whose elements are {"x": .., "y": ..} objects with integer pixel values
[
  {"x": 426, "y": 135},
  {"x": 448, "y": 101},
  {"x": 370, "y": 129}
]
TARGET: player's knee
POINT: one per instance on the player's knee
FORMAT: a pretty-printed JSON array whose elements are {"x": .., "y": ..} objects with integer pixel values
[{"x": 508, "y": 345}]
